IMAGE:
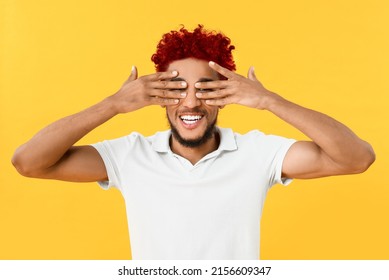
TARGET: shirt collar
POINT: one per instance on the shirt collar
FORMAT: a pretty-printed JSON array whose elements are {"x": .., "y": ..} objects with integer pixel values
[{"x": 160, "y": 141}]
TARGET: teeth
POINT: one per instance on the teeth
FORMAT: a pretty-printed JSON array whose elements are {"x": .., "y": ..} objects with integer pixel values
[{"x": 190, "y": 118}]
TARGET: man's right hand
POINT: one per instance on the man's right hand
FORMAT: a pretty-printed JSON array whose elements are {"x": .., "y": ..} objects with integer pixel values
[{"x": 153, "y": 89}]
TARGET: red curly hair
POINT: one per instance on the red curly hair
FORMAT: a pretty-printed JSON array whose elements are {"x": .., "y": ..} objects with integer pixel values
[{"x": 200, "y": 44}]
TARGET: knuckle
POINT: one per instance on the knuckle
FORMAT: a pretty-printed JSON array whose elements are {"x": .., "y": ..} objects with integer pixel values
[
  {"x": 216, "y": 84},
  {"x": 142, "y": 82},
  {"x": 146, "y": 99},
  {"x": 168, "y": 101},
  {"x": 159, "y": 75}
]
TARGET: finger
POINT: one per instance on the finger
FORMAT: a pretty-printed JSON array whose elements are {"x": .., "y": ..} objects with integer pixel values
[
  {"x": 166, "y": 93},
  {"x": 163, "y": 101},
  {"x": 212, "y": 84},
  {"x": 162, "y": 76},
  {"x": 215, "y": 94},
  {"x": 251, "y": 74},
  {"x": 221, "y": 102},
  {"x": 221, "y": 70},
  {"x": 166, "y": 84},
  {"x": 134, "y": 74}
]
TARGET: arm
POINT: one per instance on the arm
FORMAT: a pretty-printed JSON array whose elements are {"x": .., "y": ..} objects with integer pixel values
[
  {"x": 334, "y": 148},
  {"x": 51, "y": 154}
]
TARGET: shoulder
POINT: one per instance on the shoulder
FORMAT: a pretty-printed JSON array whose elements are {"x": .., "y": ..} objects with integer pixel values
[
  {"x": 130, "y": 141},
  {"x": 131, "y": 147},
  {"x": 125, "y": 140},
  {"x": 257, "y": 137}
]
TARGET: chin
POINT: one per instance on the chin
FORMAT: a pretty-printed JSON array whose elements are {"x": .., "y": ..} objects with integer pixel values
[{"x": 193, "y": 142}]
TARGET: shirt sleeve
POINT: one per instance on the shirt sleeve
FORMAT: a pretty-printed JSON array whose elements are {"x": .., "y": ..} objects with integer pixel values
[
  {"x": 283, "y": 147},
  {"x": 114, "y": 154},
  {"x": 106, "y": 155},
  {"x": 272, "y": 150}
]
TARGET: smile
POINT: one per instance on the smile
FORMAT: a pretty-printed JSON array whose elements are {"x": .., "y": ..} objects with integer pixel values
[{"x": 191, "y": 119}]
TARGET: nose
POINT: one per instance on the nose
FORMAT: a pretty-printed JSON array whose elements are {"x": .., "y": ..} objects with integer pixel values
[{"x": 191, "y": 101}]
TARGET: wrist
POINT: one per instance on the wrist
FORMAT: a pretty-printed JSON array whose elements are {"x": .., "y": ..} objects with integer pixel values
[
  {"x": 110, "y": 106},
  {"x": 269, "y": 100}
]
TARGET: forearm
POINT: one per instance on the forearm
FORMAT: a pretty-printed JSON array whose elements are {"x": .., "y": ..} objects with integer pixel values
[
  {"x": 50, "y": 153},
  {"x": 334, "y": 139},
  {"x": 51, "y": 143},
  {"x": 334, "y": 148}
]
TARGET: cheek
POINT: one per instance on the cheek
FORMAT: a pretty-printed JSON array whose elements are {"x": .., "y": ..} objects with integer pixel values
[
  {"x": 170, "y": 112},
  {"x": 213, "y": 111}
]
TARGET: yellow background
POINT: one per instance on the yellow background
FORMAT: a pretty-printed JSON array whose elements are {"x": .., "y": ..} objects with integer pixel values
[{"x": 58, "y": 57}]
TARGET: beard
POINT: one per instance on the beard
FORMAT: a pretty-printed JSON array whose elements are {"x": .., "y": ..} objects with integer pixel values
[{"x": 193, "y": 143}]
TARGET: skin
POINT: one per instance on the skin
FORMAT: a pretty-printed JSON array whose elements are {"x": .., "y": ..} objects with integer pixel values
[
  {"x": 334, "y": 148},
  {"x": 193, "y": 71},
  {"x": 51, "y": 153}
]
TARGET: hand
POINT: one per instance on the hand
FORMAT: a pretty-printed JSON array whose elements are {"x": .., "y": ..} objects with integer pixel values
[
  {"x": 154, "y": 89},
  {"x": 236, "y": 89}
]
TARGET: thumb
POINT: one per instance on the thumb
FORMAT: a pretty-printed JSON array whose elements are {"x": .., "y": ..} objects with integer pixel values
[
  {"x": 134, "y": 74},
  {"x": 251, "y": 74}
]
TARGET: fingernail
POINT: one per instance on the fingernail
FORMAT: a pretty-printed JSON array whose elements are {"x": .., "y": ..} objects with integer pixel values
[
  {"x": 174, "y": 72},
  {"x": 199, "y": 94},
  {"x": 197, "y": 85},
  {"x": 211, "y": 63},
  {"x": 176, "y": 101},
  {"x": 183, "y": 84},
  {"x": 183, "y": 94}
]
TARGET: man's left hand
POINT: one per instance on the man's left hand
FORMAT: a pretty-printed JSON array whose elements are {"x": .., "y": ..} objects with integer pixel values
[{"x": 237, "y": 89}]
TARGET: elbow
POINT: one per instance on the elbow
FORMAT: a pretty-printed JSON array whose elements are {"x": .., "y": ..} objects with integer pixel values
[
  {"x": 365, "y": 160},
  {"x": 370, "y": 159},
  {"x": 21, "y": 164}
]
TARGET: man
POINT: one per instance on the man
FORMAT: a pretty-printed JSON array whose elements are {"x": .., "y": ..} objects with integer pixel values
[{"x": 195, "y": 191}]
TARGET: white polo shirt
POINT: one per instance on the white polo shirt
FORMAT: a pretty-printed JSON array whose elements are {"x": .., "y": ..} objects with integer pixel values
[{"x": 210, "y": 210}]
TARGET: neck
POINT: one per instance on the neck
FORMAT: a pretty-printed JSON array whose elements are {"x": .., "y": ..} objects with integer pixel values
[{"x": 194, "y": 154}]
